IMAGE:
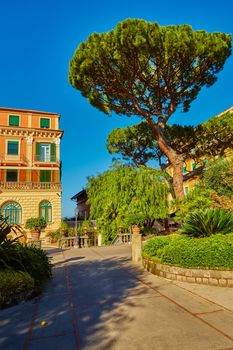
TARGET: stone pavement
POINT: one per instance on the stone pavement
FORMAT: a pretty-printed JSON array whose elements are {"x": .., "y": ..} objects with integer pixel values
[{"x": 99, "y": 300}]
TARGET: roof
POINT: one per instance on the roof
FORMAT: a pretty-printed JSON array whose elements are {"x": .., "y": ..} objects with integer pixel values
[
  {"x": 80, "y": 195},
  {"x": 27, "y": 111}
]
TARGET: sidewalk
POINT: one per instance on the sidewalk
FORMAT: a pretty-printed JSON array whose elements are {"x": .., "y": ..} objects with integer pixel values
[{"x": 99, "y": 300}]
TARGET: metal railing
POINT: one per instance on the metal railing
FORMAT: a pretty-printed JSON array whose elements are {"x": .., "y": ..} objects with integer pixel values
[
  {"x": 30, "y": 185},
  {"x": 45, "y": 159}
]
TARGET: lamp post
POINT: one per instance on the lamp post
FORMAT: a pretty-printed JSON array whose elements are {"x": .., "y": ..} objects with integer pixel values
[{"x": 76, "y": 245}]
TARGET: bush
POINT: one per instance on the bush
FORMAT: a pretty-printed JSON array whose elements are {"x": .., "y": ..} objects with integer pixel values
[
  {"x": 211, "y": 252},
  {"x": 28, "y": 259},
  {"x": 201, "y": 223},
  {"x": 154, "y": 247},
  {"x": 13, "y": 284}
]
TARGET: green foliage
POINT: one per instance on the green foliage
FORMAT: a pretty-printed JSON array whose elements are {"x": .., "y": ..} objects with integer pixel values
[
  {"x": 199, "y": 198},
  {"x": 126, "y": 190},
  {"x": 146, "y": 70},
  {"x": 218, "y": 176},
  {"x": 215, "y": 189},
  {"x": 211, "y": 252},
  {"x": 14, "y": 283},
  {"x": 151, "y": 68},
  {"x": 135, "y": 219},
  {"x": 137, "y": 143},
  {"x": 215, "y": 136},
  {"x": 28, "y": 259},
  {"x": 154, "y": 247},
  {"x": 134, "y": 143},
  {"x": 201, "y": 223},
  {"x": 37, "y": 223}
]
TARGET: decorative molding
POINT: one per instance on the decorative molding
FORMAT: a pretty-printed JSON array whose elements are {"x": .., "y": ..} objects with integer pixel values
[
  {"x": 8, "y": 131},
  {"x": 57, "y": 141},
  {"x": 29, "y": 139}
]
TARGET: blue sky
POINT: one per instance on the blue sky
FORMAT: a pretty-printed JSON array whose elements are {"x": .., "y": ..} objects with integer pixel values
[{"x": 38, "y": 38}]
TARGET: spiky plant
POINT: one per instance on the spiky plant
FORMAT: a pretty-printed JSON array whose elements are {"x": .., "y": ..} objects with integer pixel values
[{"x": 202, "y": 223}]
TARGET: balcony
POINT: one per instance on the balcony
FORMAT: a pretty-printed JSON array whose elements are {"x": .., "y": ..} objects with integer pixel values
[
  {"x": 13, "y": 159},
  {"x": 55, "y": 186},
  {"x": 46, "y": 159}
]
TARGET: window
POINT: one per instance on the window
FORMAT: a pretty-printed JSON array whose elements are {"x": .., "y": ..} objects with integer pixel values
[
  {"x": 11, "y": 176},
  {"x": 45, "y": 176},
  {"x": 186, "y": 190},
  {"x": 13, "y": 147},
  {"x": 45, "y": 152},
  {"x": 44, "y": 123},
  {"x": 184, "y": 170},
  {"x": 14, "y": 120},
  {"x": 204, "y": 162},
  {"x": 45, "y": 211},
  {"x": 13, "y": 212},
  {"x": 194, "y": 166}
]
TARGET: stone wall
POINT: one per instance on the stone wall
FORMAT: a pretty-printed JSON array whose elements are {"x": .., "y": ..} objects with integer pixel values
[{"x": 200, "y": 276}]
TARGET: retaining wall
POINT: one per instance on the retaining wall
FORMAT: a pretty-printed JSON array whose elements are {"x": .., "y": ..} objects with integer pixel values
[{"x": 200, "y": 276}]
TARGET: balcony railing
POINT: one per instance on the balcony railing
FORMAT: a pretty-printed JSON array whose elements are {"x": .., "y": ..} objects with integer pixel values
[
  {"x": 8, "y": 158},
  {"x": 30, "y": 186},
  {"x": 46, "y": 159}
]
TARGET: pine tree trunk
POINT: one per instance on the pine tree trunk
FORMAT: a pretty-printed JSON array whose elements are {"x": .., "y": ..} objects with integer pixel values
[{"x": 176, "y": 160}]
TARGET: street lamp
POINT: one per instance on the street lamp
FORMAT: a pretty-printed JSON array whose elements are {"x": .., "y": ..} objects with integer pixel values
[{"x": 76, "y": 245}]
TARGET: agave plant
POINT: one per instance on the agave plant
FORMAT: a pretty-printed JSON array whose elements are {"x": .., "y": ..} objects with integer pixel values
[{"x": 201, "y": 223}]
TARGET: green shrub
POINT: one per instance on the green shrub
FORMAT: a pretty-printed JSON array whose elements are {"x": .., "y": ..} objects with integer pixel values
[
  {"x": 211, "y": 252},
  {"x": 154, "y": 247},
  {"x": 28, "y": 259},
  {"x": 37, "y": 223},
  {"x": 13, "y": 283},
  {"x": 201, "y": 223}
]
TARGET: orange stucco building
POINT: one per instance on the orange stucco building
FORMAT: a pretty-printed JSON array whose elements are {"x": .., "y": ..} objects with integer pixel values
[{"x": 30, "y": 167}]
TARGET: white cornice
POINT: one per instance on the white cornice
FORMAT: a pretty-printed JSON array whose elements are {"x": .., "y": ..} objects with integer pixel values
[{"x": 17, "y": 131}]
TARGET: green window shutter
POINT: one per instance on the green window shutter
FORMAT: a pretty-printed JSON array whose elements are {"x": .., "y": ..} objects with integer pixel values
[
  {"x": 194, "y": 166},
  {"x": 14, "y": 120},
  {"x": 53, "y": 152},
  {"x": 44, "y": 123},
  {"x": 38, "y": 151},
  {"x": 13, "y": 147},
  {"x": 45, "y": 176}
]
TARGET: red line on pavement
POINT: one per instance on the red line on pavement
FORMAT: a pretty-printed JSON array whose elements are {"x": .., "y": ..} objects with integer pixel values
[
  {"x": 50, "y": 336},
  {"x": 72, "y": 306},
  {"x": 207, "y": 312},
  {"x": 30, "y": 328},
  {"x": 210, "y": 301},
  {"x": 183, "y": 308}
]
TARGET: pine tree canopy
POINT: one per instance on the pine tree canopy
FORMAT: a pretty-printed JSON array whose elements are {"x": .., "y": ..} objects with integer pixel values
[{"x": 142, "y": 68}]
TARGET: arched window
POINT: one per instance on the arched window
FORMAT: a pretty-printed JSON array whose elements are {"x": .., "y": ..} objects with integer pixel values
[
  {"x": 45, "y": 210},
  {"x": 13, "y": 212}
]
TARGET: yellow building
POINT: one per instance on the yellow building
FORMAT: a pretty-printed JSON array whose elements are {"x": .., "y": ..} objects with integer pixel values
[
  {"x": 192, "y": 170},
  {"x": 30, "y": 167}
]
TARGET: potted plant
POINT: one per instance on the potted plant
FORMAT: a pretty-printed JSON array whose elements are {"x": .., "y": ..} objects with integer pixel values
[
  {"x": 35, "y": 225},
  {"x": 136, "y": 221}
]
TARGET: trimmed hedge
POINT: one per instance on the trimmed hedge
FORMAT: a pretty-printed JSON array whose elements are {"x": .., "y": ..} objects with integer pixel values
[
  {"x": 214, "y": 252},
  {"x": 154, "y": 248},
  {"x": 14, "y": 286}
]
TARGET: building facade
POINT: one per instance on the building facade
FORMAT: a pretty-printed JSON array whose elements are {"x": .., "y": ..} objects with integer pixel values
[{"x": 30, "y": 166}]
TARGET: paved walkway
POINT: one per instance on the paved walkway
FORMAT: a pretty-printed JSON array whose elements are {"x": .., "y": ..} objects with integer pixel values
[{"x": 99, "y": 300}]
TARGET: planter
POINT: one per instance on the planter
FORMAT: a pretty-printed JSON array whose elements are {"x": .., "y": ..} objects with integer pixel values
[
  {"x": 35, "y": 234},
  {"x": 136, "y": 229}
]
